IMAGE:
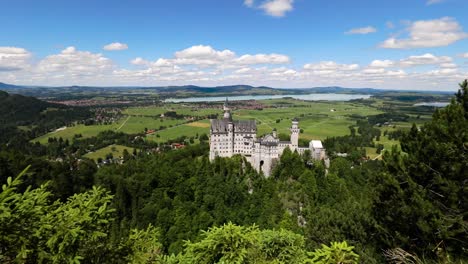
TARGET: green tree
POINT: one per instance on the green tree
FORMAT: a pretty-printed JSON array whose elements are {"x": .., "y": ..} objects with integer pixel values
[
  {"x": 421, "y": 200},
  {"x": 237, "y": 244},
  {"x": 336, "y": 253},
  {"x": 35, "y": 230}
]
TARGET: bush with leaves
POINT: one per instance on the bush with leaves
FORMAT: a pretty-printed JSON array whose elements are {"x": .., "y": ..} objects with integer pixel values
[
  {"x": 336, "y": 253},
  {"x": 231, "y": 243},
  {"x": 35, "y": 230}
]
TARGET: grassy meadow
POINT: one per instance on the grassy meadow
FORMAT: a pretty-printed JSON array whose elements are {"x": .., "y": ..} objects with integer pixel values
[
  {"x": 116, "y": 150},
  {"x": 318, "y": 120}
]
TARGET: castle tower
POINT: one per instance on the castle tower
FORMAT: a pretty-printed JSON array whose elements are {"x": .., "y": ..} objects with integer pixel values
[
  {"x": 227, "y": 110},
  {"x": 230, "y": 128},
  {"x": 294, "y": 134}
]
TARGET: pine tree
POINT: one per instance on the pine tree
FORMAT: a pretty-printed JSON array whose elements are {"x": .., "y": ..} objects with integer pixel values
[{"x": 422, "y": 199}]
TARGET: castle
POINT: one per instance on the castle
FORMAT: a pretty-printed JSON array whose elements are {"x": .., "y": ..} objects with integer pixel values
[{"x": 229, "y": 137}]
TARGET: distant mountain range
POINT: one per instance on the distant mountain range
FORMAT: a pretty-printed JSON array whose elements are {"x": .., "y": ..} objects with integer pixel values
[{"x": 191, "y": 90}]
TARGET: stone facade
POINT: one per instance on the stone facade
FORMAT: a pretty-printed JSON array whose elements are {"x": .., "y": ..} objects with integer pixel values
[{"x": 230, "y": 137}]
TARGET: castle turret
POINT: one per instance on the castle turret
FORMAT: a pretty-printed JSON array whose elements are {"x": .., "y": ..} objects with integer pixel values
[
  {"x": 227, "y": 110},
  {"x": 295, "y": 134}
]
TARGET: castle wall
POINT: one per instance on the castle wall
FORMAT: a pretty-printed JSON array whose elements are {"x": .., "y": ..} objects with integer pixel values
[{"x": 228, "y": 138}]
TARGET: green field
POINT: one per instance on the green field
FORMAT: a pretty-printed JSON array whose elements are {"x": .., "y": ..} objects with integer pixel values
[
  {"x": 188, "y": 130},
  {"x": 318, "y": 120},
  {"x": 116, "y": 150},
  {"x": 128, "y": 124},
  {"x": 85, "y": 131},
  {"x": 181, "y": 109}
]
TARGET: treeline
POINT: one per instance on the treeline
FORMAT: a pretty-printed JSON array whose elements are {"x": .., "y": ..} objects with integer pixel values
[
  {"x": 33, "y": 229},
  {"x": 353, "y": 144},
  {"x": 78, "y": 147},
  {"x": 34, "y": 117}
]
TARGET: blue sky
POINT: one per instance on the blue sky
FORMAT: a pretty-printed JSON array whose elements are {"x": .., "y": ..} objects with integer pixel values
[{"x": 417, "y": 44}]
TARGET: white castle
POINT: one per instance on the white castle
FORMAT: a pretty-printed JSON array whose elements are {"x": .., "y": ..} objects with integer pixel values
[{"x": 231, "y": 137}]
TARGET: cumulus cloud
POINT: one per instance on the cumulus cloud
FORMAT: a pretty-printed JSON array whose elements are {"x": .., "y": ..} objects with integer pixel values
[
  {"x": 330, "y": 66},
  {"x": 277, "y": 8},
  {"x": 425, "y": 59},
  {"x": 115, "y": 46},
  {"x": 361, "y": 31},
  {"x": 140, "y": 61},
  {"x": 448, "y": 65},
  {"x": 428, "y": 33},
  {"x": 13, "y": 58},
  {"x": 443, "y": 72},
  {"x": 263, "y": 59},
  {"x": 201, "y": 51},
  {"x": 75, "y": 63},
  {"x": 415, "y": 60},
  {"x": 381, "y": 64},
  {"x": 207, "y": 56},
  {"x": 464, "y": 55},
  {"x": 73, "y": 66}
]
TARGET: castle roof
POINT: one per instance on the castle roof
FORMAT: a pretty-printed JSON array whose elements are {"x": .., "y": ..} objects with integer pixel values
[
  {"x": 221, "y": 126},
  {"x": 268, "y": 140},
  {"x": 269, "y": 143},
  {"x": 316, "y": 144}
]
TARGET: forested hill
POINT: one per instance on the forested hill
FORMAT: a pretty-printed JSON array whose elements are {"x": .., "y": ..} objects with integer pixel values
[
  {"x": 175, "y": 91},
  {"x": 18, "y": 110},
  {"x": 35, "y": 116},
  {"x": 162, "y": 92}
]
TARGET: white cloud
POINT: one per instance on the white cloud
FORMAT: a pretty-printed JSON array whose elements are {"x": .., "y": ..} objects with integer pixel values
[
  {"x": 428, "y": 33},
  {"x": 448, "y": 65},
  {"x": 443, "y": 72},
  {"x": 243, "y": 70},
  {"x": 263, "y": 59},
  {"x": 374, "y": 70},
  {"x": 425, "y": 59},
  {"x": 72, "y": 66},
  {"x": 73, "y": 63},
  {"x": 207, "y": 56},
  {"x": 140, "y": 61},
  {"x": 13, "y": 58},
  {"x": 431, "y": 2},
  {"x": 381, "y": 63},
  {"x": 202, "y": 55},
  {"x": 464, "y": 55},
  {"x": 362, "y": 31},
  {"x": 413, "y": 61},
  {"x": 330, "y": 66},
  {"x": 277, "y": 8},
  {"x": 205, "y": 52},
  {"x": 115, "y": 46},
  {"x": 249, "y": 3}
]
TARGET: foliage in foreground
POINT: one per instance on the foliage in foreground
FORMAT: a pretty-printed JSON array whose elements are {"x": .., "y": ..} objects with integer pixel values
[
  {"x": 421, "y": 197},
  {"x": 35, "y": 230}
]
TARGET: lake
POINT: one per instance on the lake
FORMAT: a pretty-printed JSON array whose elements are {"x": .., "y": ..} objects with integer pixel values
[
  {"x": 435, "y": 104},
  {"x": 307, "y": 97}
]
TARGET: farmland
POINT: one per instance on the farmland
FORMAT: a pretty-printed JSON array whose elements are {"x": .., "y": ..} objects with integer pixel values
[
  {"x": 115, "y": 150},
  {"x": 317, "y": 120}
]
